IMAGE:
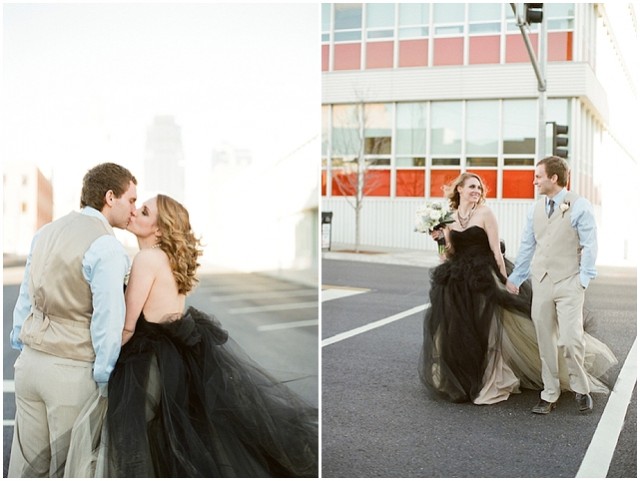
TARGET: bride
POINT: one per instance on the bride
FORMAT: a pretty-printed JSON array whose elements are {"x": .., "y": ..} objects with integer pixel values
[
  {"x": 184, "y": 400},
  {"x": 479, "y": 341}
]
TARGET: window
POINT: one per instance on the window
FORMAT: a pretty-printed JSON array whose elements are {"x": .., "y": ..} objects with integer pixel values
[
  {"x": 560, "y": 16},
  {"x": 483, "y": 128},
  {"x": 347, "y": 21},
  {"x": 411, "y": 145},
  {"x": 380, "y": 20},
  {"x": 446, "y": 128},
  {"x": 413, "y": 20},
  {"x": 519, "y": 126},
  {"x": 326, "y": 22},
  {"x": 448, "y": 18},
  {"x": 377, "y": 129},
  {"x": 345, "y": 131},
  {"x": 485, "y": 18}
]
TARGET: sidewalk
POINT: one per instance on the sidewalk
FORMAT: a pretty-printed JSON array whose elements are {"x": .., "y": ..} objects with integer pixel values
[{"x": 382, "y": 255}]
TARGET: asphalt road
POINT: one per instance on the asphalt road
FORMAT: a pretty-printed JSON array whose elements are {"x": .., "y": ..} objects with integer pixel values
[
  {"x": 274, "y": 321},
  {"x": 377, "y": 420}
]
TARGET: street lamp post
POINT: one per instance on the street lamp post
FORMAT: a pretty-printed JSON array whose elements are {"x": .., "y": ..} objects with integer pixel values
[{"x": 533, "y": 13}]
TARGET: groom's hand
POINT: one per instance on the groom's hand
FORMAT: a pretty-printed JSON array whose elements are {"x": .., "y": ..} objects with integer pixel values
[{"x": 512, "y": 288}]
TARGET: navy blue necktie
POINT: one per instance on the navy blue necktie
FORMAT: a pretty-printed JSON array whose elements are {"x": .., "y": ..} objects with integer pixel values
[{"x": 551, "y": 204}]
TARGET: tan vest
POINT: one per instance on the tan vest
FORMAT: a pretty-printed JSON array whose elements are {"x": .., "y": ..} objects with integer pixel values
[
  {"x": 557, "y": 244},
  {"x": 60, "y": 295}
]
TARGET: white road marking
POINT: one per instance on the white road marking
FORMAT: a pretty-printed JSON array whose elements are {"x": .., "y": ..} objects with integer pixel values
[
  {"x": 274, "y": 307},
  {"x": 373, "y": 325},
  {"x": 338, "y": 293},
  {"x": 288, "y": 325},
  {"x": 597, "y": 460},
  {"x": 262, "y": 295}
]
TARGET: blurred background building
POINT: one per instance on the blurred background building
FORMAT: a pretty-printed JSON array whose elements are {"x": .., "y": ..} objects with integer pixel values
[
  {"x": 27, "y": 205},
  {"x": 428, "y": 90},
  {"x": 164, "y": 158},
  {"x": 212, "y": 104}
]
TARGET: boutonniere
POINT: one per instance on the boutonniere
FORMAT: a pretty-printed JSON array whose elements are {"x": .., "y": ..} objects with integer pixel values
[{"x": 564, "y": 207}]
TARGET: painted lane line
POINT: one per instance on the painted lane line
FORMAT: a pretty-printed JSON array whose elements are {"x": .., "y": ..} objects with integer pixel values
[
  {"x": 373, "y": 325},
  {"x": 275, "y": 307},
  {"x": 262, "y": 295},
  {"x": 598, "y": 457},
  {"x": 332, "y": 293},
  {"x": 288, "y": 325}
]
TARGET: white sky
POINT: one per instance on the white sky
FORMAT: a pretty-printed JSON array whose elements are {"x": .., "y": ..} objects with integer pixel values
[{"x": 81, "y": 82}]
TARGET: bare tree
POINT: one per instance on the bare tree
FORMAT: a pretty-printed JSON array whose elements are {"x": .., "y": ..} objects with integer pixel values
[{"x": 354, "y": 155}]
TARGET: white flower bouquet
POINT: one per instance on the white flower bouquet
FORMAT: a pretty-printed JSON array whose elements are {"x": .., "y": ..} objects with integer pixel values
[{"x": 432, "y": 216}]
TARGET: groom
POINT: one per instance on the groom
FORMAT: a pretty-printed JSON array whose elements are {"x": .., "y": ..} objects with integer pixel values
[
  {"x": 68, "y": 320},
  {"x": 559, "y": 248}
]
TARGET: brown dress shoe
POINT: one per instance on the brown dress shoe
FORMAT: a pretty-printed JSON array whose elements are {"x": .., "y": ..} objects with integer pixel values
[
  {"x": 543, "y": 407},
  {"x": 585, "y": 403}
]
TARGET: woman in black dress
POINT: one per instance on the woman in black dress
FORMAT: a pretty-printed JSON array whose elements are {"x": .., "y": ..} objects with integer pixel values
[
  {"x": 479, "y": 341},
  {"x": 184, "y": 399}
]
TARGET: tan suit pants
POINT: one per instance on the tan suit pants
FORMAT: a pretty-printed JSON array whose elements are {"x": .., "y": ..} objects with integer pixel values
[
  {"x": 557, "y": 314},
  {"x": 50, "y": 392}
]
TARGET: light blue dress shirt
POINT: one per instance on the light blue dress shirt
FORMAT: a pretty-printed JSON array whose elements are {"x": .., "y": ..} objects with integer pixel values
[
  {"x": 582, "y": 220},
  {"x": 104, "y": 266}
]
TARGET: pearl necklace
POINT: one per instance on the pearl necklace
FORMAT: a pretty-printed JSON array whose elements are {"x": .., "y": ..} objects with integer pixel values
[{"x": 464, "y": 220}]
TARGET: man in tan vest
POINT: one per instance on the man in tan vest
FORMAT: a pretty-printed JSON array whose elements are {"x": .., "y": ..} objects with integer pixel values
[
  {"x": 558, "y": 249},
  {"x": 68, "y": 320}
]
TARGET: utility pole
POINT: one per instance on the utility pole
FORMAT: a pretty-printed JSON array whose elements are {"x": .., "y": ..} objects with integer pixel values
[{"x": 533, "y": 13}]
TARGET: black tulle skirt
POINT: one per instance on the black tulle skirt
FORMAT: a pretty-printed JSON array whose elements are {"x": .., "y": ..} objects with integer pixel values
[{"x": 185, "y": 401}]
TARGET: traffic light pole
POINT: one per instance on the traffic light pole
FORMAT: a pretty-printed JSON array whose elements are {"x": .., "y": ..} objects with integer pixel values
[{"x": 539, "y": 68}]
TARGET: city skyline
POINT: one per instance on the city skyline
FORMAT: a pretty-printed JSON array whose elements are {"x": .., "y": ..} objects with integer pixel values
[{"x": 82, "y": 83}]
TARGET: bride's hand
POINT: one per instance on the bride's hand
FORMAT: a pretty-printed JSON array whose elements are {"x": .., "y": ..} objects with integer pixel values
[{"x": 437, "y": 234}]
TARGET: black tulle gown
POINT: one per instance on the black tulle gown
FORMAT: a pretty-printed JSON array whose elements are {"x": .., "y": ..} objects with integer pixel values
[
  {"x": 479, "y": 341},
  {"x": 185, "y": 401}
]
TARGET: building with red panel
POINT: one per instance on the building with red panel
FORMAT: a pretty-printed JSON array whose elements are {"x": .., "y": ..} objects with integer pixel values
[{"x": 424, "y": 91}]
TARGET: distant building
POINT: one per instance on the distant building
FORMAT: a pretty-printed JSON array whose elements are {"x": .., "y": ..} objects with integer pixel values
[
  {"x": 430, "y": 90},
  {"x": 230, "y": 156},
  {"x": 27, "y": 206},
  {"x": 164, "y": 170}
]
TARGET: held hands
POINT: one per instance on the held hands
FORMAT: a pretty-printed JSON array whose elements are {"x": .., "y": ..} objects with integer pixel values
[{"x": 512, "y": 288}]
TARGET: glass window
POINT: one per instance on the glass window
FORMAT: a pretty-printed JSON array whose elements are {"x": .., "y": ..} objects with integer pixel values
[
  {"x": 520, "y": 120},
  {"x": 482, "y": 161},
  {"x": 446, "y": 128},
  {"x": 411, "y": 128},
  {"x": 559, "y": 15},
  {"x": 380, "y": 20},
  {"x": 326, "y": 21},
  {"x": 485, "y": 17},
  {"x": 445, "y": 162},
  {"x": 345, "y": 132},
  {"x": 325, "y": 129},
  {"x": 485, "y": 12},
  {"x": 448, "y": 18},
  {"x": 377, "y": 129},
  {"x": 411, "y": 161},
  {"x": 347, "y": 21},
  {"x": 413, "y": 20},
  {"x": 483, "y": 127}
]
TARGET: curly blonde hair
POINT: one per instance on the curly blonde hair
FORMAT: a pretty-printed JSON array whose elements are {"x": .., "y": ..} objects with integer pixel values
[
  {"x": 451, "y": 190},
  {"x": 178, "y": 241}
]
